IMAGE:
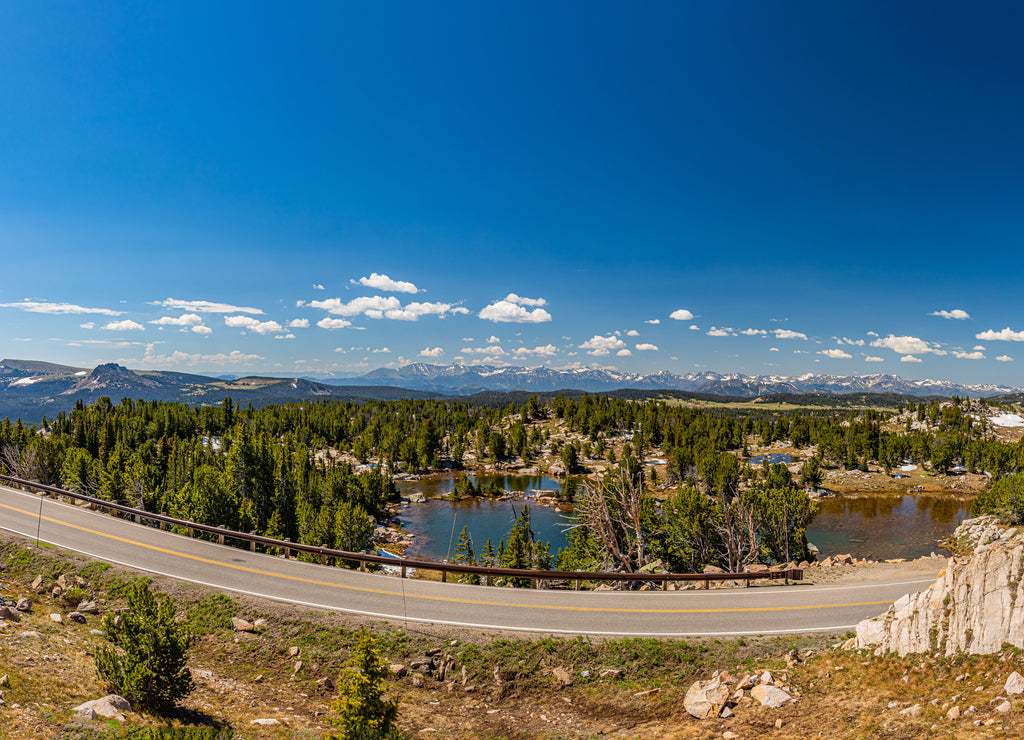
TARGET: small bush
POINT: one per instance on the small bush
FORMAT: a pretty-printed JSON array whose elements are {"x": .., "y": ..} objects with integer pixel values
[
  {"x": 146, "y": 662},
  {"x": 362, "y": 712}
]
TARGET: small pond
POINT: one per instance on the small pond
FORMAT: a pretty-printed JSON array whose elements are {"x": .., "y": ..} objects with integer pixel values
[
  {"x": 772, "y": 458},
  {"x": 871, "y": 525}
]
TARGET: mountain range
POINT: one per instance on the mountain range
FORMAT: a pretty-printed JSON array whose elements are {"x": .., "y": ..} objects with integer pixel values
[{"x": 31, "y": 389}]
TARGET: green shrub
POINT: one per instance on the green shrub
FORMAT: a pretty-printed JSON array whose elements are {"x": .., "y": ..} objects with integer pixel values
[
  {"x": 362, "y": 712},
  {"x": 146, "y": 662}
]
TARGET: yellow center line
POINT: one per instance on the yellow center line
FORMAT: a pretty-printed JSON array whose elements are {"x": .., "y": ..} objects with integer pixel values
[{"x": 479, "y": 602}]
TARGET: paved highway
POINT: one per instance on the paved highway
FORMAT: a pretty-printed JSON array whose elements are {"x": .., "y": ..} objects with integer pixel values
[{"x": 755, "y": 610}]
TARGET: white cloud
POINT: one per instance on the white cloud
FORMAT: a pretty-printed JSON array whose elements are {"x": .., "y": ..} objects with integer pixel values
[
  {"x": 251, "y": 324},
  {"x": 317, "y": 286},
  {"x": 289, "y": 335},
  {"x": 872, "y": 358},
  {"x": 299, "y": 324},
  {"x": 652, "y": 321},
  {"x": 434, "y": 353},
  {"x": 57, "y": 308},
  {"x": 978, "y": 348},
  {"x": 548, "y": 350},
  {"x": 910, "y": 358},
  {"x": 1004, "y": 358},
  {"x": 383, "y": 282},
  {"x": 847, "y": 340},
  {"x": 872, "y": 334},
  {"x": 1006, "y": 335},
  {"x": 490, "y": 340},
  {"x": 632, "y": 333},
  {"x": 87, "y": 325},
  {"x": 624, "y": 353},
  {"x": 413, "y": 311},
  {"x": 373, "y": 306},
  {"x": 968, "y": 355},
  {"x": 329, "y": 323},
  {"x": 509, "y": 312},
  {"x": 125, "y": 325},
  {"x": 598, "y": 345},
  {"x": 716, "y": 332},
  {"x": 681, "y": 314},
  {"x": 205, "y": 306},
  {"x": 180, "y": 359},
  {"x": 186, "y": 319},
  {"x": 497, "y": 351},
  {"x": 907, "y": 346},
  {"x": 521, "y": 301},
  {"x": 773, "y": 349},
  {"x": 788, "y": 334},
  {"x": 382, "y": 350},
  {"x": 694, "y": 327},
  {"x": 956, "y": 313},
  {"x": 202, "y": 329},
  {"x": 835, "y": 354},
  {"x": 754, "y": 332},
  {"x": 645, "y": 347}
]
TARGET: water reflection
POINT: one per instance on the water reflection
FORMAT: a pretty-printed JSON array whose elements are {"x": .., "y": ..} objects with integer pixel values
[{"x": 884, "y": 527}]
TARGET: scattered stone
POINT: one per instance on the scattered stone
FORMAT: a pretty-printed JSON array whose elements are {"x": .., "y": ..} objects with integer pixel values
[
  {"x": 770, "y": 696},
  {"x": 265, "y": 722},
  {"x": 417, "y": 680},
  {"x": 912, "y": 711},
  {"x": 111, "y": 706},
  {"x": 767, "y": 678},
  {"x": 397, "y": 669},
  {"x": 56, "y": 591},
  {"x": 30, "y": 635},
  {"x": 11, "y": 615},
  {"x": 563, "y": 676},
  {"x": 748, "y": 681},
  {"x": 77, "y": 617},
  {"x": 729, "y": 734},
  {"x": 325, "y": 683},
  {"x": 98, "y": 633},
  {"x": 431, "y": 652},
  {"x": 88, "y": 607},
  {"x": 706, "y": 699},
  {"x": 610, "y": 673},
  {"x": 259, "y": 625},
  {"x": 1004, "y": 707},
  {"x": 298, "y": 666},
  {"x": 240, "y": 625},
  {"x": 37, "y": 583},
  {"x": 953, "y": 714},
  {"x": 57, "y": 618},
  {"x": 258, "y": 679},
  {"x": 1014, "y": 684},
  {"x": 293, "y": 651},
  {"x": 88, "y": 714}
]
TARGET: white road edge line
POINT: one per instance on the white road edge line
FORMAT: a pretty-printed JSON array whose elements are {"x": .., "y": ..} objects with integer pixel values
[{"x": 402, "y": 618}]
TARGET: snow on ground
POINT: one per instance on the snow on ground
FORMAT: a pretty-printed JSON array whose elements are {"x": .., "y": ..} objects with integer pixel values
[
  {"x": 1008, "y": 420},
  {"x": 908, "y": 468},
  {"x": 25, "y": 381}
]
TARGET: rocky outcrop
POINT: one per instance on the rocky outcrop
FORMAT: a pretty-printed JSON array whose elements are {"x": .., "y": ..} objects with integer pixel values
[{"x": 975, "y": 606}]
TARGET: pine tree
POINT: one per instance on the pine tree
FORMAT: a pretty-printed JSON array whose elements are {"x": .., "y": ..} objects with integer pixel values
[
  {"x": 465, "y": 555},
  {"x": 362, "y": 712},
  {"x": 146, "y": 662}
]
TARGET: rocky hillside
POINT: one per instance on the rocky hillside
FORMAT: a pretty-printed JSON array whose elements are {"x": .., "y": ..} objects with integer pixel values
[{"x": 976, "y": 605}]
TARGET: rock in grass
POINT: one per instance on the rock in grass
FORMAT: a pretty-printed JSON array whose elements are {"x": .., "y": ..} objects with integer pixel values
[
  {"x": 770, "y": 696},
  {"x": 1014, "y": 684},
  {"x": 706, "y": 699}
]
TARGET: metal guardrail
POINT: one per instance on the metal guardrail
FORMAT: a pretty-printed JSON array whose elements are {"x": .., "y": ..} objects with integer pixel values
[{"x": 403, "y": 564}]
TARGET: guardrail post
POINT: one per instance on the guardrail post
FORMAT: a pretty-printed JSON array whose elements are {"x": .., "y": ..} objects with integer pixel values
[
  {"x": 252, "y": 543},
  {"x": 220, "y": 536},
  {"x": 579, "y": 584},
  {"x": 444, "y": 576},
  {"x": 190, "y": 532},
  {"x": 403, "y": 571},
  {"x": 287, "y": 550},
  {"x": 362, "y": 566},
  {"x": 323, "y": 555}
]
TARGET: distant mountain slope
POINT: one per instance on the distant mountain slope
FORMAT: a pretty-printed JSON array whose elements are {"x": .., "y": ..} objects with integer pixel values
[
  {"x": 31, "y": 390},
  {"x": 466, "y": 380}
]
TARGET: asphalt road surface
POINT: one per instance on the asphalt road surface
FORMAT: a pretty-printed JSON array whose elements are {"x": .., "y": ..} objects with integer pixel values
[{"x": 738, "y": 611}]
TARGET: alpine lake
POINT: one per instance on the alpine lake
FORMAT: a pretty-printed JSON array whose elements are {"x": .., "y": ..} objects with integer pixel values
[{"x": 865, "y": 524}]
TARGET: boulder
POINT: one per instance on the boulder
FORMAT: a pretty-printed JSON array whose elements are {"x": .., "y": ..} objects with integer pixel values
[
  {"x": 770, "y": 696},
  {"x": 563, "y": 676},
  {"x": 57, "y": 618},
  {"x": 265, "y": 722},
  {"x": 11, "y": 615},
  {"x": 610, "y": 673},
  {"x": 259, "y": 625},
  {"x": 912, "y": 711},
  {"x": 88, "y": 607},
  {"x": 37, "y": 583},
  {"x": 1014, "y": 684},
  {"x": 242, "y": 625},
  {"x": 77, "y": 617},
  {"x": 748, "y": 681},
  {"x": 1004, "y": 707},
  {"x": 397, "y": 669},
  {"x": 111, "y": 706},
  {"x": 706, "y": 699},
  {"x": 24, "y": 604}
]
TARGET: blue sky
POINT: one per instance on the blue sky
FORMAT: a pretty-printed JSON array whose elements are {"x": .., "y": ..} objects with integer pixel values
[{"x": 294, "y": 189}]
